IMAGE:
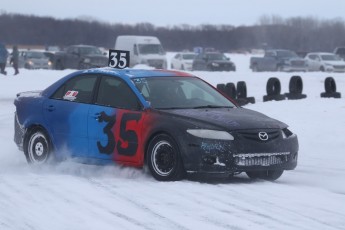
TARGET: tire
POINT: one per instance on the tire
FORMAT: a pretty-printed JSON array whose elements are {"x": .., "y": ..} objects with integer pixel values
[
  {"x": 296, "y": 85},
  {"x": 273, "y": 86},
  {"x": 37, "y": 147},
  {"x": 164, "y": 159},
  {"x": 182, "y": 67},
  {"x": 269, "y": 175},
  {"x": 230, "y": 90},
  {"x": 322, "y": 69},
  {"x": 241, "y": 89},
  {"x": 330, "y": 86},
  {"x": 221, "y": 87}
]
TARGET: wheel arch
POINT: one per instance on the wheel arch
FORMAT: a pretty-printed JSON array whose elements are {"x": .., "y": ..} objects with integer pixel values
[{"x": 34, "y": 127}]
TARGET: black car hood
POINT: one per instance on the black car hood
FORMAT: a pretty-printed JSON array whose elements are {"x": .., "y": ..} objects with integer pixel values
[
  {"x": 221, "y": 62},
  {"x": 230, "y": 119}
]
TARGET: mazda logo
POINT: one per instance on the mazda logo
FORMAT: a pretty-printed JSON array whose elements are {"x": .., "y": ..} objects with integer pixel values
[{"x": 263, "y": 136}]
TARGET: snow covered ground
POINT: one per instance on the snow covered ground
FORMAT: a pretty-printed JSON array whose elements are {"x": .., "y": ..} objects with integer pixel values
[{"x": 74, "y": 196}]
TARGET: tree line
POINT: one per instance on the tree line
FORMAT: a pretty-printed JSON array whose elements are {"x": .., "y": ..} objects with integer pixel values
[{"x": 302, "y": 34}]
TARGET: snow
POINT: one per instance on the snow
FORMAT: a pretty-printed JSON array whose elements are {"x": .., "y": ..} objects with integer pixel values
[{"x": 75, "y": 196}]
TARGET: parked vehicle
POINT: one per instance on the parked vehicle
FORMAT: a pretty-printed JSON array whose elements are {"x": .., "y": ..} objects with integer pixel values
[
  {"x": 173, "y": 122},
  {"x": 278, "y": 60},
  {"x": 340, "y": 51},
  {"x": 146, "y": 50},
  {"x": 328, "y": 62},
  {"x": 213, "y": 61},
  {"x": 80, "y": 57},
  {"x": 183, "y": 61},
  {"x": 30, "y": 59}
]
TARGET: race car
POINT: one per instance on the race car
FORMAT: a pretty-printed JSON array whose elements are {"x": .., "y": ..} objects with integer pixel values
[{"x": 172, "y": 122}]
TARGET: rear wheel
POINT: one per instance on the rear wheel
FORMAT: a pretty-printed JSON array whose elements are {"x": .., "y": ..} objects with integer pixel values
[
  {"x": 37, "y": 147},
  {"x": 270, "y": 175},
  {"x": 164, "y": 159}
]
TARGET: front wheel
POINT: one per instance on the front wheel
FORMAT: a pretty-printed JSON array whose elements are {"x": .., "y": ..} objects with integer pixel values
[
  {"x": 164, "y": 159},
  {"x": 38, "y": 148},
  {"x": 270, "y": 175}
]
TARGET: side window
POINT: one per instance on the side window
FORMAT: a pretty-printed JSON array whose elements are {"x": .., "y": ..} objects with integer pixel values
[
  {"x": 116, "y": 93},
  {"x": 78, "y": 89}
]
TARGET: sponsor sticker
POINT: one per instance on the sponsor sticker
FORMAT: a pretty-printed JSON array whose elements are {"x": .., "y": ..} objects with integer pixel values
[{"x": 71, "y": 95}]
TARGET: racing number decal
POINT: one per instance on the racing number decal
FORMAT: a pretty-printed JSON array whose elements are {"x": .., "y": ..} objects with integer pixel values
[
  {"x": 118, "y": 59},
  {"x": 127, "y": 143},
  {"x": 110, "y": 120}
]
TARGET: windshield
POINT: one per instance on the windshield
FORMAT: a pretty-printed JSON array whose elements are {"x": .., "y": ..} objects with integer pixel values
[
  {"x": 89, "y": 50},
  {"x": 180, "y": 93},
  {"x": 286, "y": 53},
  {"x": 330, "y": 57},
  {"x": 150, "y": 49},
  {"x": 216, "y": 56},
  {"x": 188, "y": 56},
  {"x": 37, "y": 55}
]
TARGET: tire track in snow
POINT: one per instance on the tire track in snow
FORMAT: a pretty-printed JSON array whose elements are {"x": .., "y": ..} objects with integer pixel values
[{"x": 173, "y": 224}]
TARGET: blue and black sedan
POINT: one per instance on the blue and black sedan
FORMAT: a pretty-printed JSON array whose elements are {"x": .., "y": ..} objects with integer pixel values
[{"x": 172, "y": 122}]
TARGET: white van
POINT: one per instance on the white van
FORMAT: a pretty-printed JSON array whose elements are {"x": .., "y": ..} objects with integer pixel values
[{"x": 143, "y": 50}]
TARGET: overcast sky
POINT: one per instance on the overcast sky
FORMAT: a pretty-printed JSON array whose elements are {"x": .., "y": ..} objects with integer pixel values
[{"x": 176, "y": 12}]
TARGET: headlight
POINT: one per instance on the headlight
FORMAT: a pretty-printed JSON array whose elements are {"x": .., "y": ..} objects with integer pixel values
[
  {"x": 215, "y": 64},
  {"x": 211, "y": 134},
  {"x": 30, "y": 62},
  {"x": 286, "y": 133},
  {"x": 87, "y": 60},
  {"x": 50, "y": 63}
]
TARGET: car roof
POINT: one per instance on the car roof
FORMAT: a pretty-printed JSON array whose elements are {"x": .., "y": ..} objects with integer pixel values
[
  {"x": 321, "y": 53},
  {"x": 135, "y": 73}
]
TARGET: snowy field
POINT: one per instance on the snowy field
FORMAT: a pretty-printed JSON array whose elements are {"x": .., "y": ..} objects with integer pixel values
[{"x": 72, "y": 196}]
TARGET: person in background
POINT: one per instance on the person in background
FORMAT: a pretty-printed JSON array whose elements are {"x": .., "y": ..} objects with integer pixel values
[
  {"x": 3, "y": 58},
  {"x": 14, "y": 59}
]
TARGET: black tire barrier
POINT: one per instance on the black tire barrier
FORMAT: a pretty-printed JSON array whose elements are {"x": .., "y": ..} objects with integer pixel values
[
  {"x": 241, "y": 89},
  {"x": 230, "y": 90},
  {"x": 242, "y": 98},
  {"x": 221, "y": 87},
  {"x": 273, "y": 89},
  {"x": 295, "y": 88},
  {"x": 330, "y": 88}
]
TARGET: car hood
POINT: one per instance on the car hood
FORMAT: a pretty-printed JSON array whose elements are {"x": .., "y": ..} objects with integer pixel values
[
  {"x": 220, "y": 61},
  {"x": 229, "y": 119},
  {"x": 335, "y": 62}
]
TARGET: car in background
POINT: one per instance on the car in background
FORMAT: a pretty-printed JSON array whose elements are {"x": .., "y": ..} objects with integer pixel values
[
  {"x": 173, "y": 122},
  {"x": 31, "y": 59},
  {"x": 80, "y": 57},
  {"x": 340, "y": 51},
  {"x": 328, "y": 62},
  {"x": 213, "y": 61},
  {"x": 278, "y": 60},
  {"x": 183, "y": 61}
]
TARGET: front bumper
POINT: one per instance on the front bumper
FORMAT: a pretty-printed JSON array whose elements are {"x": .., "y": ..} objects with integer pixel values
[
  {"x": 289, "y": 68},
  {"x": 225, "y": 158}
]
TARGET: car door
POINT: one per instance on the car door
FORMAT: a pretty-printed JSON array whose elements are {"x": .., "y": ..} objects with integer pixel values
[
  {"x": 115, "y": 122},
  {"x": 66, "y": 113}
]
